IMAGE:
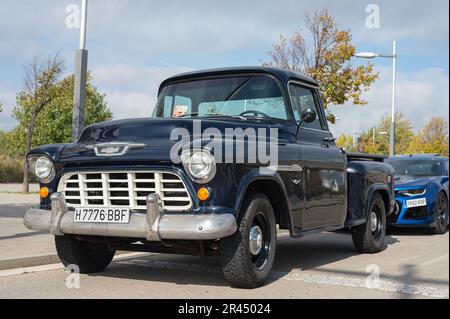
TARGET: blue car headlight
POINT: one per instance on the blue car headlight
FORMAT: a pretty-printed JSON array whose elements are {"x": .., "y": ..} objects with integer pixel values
[{"x": 412, "y": 192}]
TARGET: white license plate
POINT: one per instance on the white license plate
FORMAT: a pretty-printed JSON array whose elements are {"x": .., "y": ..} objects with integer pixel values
[
  {"x": 113, "y": 215},
  {"x": 416, "y": 202}
]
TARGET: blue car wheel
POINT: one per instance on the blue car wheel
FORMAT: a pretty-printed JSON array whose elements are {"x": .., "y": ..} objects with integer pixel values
[{"x": 441, "y": 214}]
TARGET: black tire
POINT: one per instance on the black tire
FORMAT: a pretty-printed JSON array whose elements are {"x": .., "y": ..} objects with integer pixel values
[
  {"x": 441, "y": 214},
  {"x": 89, "y": 257},
  {"x": 368, "y": 238},
  {"x": 244, "y": 266}
]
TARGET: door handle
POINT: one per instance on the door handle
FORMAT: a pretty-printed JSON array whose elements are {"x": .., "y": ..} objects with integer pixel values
[
  {"x": 329, "y": 139},
  {"x": 325, "y": 145}
]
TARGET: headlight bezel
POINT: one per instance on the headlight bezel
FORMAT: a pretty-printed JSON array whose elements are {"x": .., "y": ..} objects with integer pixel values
[
  {"x": 205, "y": 175},
  {"x": 412, "y": 192},
  {"x": 48, "y": 176}
]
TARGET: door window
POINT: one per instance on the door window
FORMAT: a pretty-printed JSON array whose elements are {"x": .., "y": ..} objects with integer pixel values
[{"x": 303, "y": 98}]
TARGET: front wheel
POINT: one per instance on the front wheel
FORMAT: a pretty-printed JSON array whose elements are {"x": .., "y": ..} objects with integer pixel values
[
  {"x": 369, "y": 237},
  {"x": 441, "y": 214},
  {"x": 89, "y": 257},
  {"x": 247, "y": 257}
]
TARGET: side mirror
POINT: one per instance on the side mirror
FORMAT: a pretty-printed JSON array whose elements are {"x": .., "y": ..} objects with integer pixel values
[{"x": 309, "y": 115}]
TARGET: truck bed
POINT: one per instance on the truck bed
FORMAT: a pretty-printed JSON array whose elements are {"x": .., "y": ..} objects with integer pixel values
[{"x": 365, "y": 157}]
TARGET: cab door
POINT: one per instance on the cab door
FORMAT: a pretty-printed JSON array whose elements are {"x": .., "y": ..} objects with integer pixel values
[{"x": 324, "y": 165}]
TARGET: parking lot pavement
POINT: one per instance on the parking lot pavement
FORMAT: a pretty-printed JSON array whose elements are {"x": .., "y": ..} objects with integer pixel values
[
  {"x": 19, "y": 246},
  {"x": 415, "y": 265}
]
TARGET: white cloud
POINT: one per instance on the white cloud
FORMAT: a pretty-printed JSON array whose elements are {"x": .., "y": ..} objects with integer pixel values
[
  {"x": 131, "y": 90},
  {"x": 7, "y": 98},
  {"x": 420, "y": 96},
  {"x": 126, "y": 38}
]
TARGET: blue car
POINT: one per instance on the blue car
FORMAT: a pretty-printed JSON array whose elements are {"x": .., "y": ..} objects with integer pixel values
[{"x": 421, "y": 191}]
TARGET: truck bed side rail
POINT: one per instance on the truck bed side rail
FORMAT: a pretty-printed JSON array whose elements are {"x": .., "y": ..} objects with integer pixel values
[{"x": 365, "y": 157}]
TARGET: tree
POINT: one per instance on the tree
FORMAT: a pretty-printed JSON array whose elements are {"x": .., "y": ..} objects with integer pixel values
[
  {"x": 3, "y": 141},
  {"x": 346, "y": 142},
  {"x": 55, "y": 123},
  {"x": 403, "y": 133},
  {"x": 326, "y": 59},
  {"x": 44, "y": 109},
  {"x": 38, "y": 92},
  {"x": 432, "y": 139},
  {"x": 376, "y": 139},
  {"x": 1, "y": 107}
]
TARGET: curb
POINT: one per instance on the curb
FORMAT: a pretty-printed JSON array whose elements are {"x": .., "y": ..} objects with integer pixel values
[
  {"x": 30, "y": 261},
  {"x": 48, "y": 259}
]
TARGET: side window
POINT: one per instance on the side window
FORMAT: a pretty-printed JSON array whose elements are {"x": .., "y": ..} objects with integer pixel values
[{"x": 302, "y": 99}]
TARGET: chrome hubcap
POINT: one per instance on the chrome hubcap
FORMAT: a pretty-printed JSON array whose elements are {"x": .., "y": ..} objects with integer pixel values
[
  {"x": 373, "y": 221},
  {"x": 256, "y": 240}
]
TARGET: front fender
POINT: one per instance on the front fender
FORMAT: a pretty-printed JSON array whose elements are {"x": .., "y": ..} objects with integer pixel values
[{"x": 256, "y": 175}]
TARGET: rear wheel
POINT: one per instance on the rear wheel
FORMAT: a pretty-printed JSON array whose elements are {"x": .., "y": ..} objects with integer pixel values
[
  {"x": 441, "y": 214},
  {"x": 369, "y": 237},
  {"x": 247, "y": 257},
  {"x": 89, "y": 257}
]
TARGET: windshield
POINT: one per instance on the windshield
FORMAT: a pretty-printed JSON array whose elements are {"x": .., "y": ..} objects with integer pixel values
[
  {"x": 419, "y": 168},
  {"x": 246, "y": 96}
]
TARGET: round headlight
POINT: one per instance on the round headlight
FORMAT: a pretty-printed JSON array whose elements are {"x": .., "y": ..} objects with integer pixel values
[
  {"x": 200, "y": 165},
  {"x": 43, "y": 168}
]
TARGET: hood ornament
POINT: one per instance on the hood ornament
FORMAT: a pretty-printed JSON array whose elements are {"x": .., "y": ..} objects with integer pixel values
[{"x": 113, "y": 148}]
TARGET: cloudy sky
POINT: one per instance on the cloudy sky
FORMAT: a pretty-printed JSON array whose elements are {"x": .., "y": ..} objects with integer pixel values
[{"x": 134, "y": 45}]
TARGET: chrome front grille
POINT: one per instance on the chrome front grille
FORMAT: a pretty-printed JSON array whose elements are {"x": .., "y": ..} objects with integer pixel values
[{"x": 124, "y": 189}]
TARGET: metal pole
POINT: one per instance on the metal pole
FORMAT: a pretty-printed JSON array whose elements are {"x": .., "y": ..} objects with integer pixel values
[
  {"x": 373, "y": 136},
  {"x": 80, "y": 79},
  {"x": 392, "y": 135},
  {"x": 83, "y": 25}
]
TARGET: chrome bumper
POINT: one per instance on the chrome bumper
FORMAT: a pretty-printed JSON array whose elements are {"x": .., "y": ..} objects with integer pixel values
[{"x": 152, "y": 225}]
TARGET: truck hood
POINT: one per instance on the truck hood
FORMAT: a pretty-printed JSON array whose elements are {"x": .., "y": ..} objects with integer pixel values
[{"x": 155, "y": 137}]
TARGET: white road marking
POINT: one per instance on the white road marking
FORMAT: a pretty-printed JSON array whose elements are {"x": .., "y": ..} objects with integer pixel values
[
  {"x": 29, "y": 270},
  {"x": 296, "y": 275},
  {"x": 381, "y": 285},
  {"x": 433, "y": 261}
]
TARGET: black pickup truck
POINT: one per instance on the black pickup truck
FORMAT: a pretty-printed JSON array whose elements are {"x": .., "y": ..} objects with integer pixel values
[{"x": 229, "y": 157}]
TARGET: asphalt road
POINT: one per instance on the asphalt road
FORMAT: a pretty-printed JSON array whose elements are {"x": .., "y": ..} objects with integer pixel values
[{"x": 415, "y": 265}]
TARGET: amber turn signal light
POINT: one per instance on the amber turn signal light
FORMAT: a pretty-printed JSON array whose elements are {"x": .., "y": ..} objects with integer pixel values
[
  {"x": 43, "y": 192},
  {"x": 203, "y": 194}
]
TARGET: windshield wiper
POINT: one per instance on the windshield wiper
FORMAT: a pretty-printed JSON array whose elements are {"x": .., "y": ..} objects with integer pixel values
[
  {"x": 227, "y": 115},
  {"x": 196, "y": 114},
  {"x": 186, "y": 115}
]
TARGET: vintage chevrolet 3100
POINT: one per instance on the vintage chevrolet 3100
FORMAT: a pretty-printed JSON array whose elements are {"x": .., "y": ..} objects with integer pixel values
[{"x": 161, "y": 184}]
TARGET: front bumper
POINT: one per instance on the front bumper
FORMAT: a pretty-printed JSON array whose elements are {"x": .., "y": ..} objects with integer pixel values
[
  {"x": 152, "y": 225},
  {"x": 422, "y": 216}
]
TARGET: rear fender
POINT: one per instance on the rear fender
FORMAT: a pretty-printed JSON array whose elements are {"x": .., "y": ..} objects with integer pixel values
[{"x": 364, "y": 180}]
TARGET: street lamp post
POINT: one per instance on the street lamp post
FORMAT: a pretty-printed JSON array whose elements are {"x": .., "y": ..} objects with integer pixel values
[
  {"x": 356, "y": 137},
  {"x": 374, "y": 135},
  {"x": 80, "y": 79},
  {"x": 393, "y": 56}
]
